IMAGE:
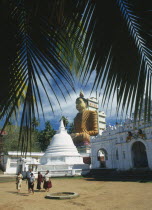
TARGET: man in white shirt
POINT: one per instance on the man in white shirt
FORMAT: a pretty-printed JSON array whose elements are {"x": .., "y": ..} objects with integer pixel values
[{"x": 28, "y": 173}]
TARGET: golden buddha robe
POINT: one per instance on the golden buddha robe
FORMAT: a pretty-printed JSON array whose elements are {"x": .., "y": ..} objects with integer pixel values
[{"x": 85, "y": 125}]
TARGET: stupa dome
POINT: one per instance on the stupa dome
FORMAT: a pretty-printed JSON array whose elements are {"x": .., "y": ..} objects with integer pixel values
[{"x": 61, "y": 149}]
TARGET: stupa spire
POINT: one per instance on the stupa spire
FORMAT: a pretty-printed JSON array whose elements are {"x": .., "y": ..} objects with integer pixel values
[{"x": 61, "y": 128}]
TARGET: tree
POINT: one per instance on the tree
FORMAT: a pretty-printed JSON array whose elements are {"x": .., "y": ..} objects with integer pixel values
[
  {"x": 42, "y": 39},
  {"x": 10, "y": 140},
  {"x": 35, "y": 123},
  {"x": 45, "y": 136},
  {"x": 65, "y": 121},
  {"x": 71, "y": 128}
]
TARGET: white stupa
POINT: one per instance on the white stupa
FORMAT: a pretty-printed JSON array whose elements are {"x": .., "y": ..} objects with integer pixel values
[{"x": 62, "y": 157}]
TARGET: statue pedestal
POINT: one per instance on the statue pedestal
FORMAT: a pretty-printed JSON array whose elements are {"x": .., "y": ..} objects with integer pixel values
[{"x": 85, "y": 151}]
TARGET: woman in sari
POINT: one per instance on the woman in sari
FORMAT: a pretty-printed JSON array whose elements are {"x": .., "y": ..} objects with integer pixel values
[
  {"x": 47, "y": 181},
  {"x": 39, "y": 181}
]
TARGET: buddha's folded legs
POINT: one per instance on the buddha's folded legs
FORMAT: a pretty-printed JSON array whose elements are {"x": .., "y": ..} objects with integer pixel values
[{"x": 82, "y": 139}]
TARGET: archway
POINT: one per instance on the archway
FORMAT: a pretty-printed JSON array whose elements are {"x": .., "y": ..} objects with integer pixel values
[
  {"x": 102, "y": 157},
  {"x": 139, "y": 155}
]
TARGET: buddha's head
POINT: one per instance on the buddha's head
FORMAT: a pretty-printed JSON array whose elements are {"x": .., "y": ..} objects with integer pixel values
[{"x": 81, "y": 104}]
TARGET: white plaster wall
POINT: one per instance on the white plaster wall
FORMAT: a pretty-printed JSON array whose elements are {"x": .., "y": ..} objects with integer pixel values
[
  {"x": 96, "y": 146},
  {"x": 25, "y": 163},
  {"x": 124, "y": 162},
  {"x": 115, "y": 138},
  {"x": 10, "y": 170}
]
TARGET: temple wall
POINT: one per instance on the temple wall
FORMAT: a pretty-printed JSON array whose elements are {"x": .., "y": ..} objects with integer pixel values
[{"x": 119, "y": 152}]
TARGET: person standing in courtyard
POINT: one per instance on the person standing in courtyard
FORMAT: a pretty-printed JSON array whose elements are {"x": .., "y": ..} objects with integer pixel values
[
  {"x": 31, "y": 183},
  {"x": 39, "y": 181},
  {"x": 47, "y": 181},
  {"x": 28, "y": 175},
  {"x": 19, "y": 181}
]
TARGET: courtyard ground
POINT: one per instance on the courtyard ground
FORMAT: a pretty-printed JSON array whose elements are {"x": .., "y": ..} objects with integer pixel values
[{"x": 94, "y": 195}]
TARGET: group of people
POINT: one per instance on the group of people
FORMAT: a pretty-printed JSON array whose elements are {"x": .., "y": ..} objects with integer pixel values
[{"x": 47, "y": 184}]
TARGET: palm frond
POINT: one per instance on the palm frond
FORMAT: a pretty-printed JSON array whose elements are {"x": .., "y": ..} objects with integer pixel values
[
  {"x": 122, "y": 26},
  {"x": 135, "y": 29},
  {"x": 39, "y": 32},
  {"x": 47, "y": 42}
]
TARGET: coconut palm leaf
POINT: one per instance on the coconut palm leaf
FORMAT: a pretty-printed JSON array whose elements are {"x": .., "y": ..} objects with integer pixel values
[
  {"x": 39, "y": 34},
  {"x": 123, "y": 26},
  {"x": 45, "y": 40}
]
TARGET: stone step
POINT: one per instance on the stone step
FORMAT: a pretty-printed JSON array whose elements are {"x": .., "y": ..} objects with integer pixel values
[
  {"x": 123, "y": 180},
  {"x": 120, "y": 178},
  {"x": 114, "y": 175}
]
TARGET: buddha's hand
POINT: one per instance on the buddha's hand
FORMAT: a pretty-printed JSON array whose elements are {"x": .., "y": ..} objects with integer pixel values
[{"x": 73, "y": 135}]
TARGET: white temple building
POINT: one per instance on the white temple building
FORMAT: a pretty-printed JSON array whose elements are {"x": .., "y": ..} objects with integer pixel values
[
  {"x": 123, "y": 146},
  {"x": 62, "y": 157},
  {"x": 93, "y": 105},
  {"x": 15, "y": 162}
]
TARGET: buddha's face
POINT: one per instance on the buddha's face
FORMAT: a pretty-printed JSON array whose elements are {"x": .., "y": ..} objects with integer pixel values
[{"x": 80, "y": 105}]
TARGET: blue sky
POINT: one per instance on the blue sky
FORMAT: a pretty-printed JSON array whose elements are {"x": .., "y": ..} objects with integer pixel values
[{"x": 68, "y": 106}]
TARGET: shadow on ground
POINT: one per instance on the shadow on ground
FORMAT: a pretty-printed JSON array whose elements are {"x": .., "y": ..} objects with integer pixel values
[{"x": 21, "y": 194}]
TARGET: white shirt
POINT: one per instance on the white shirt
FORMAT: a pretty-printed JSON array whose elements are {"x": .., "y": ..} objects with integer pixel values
[
  {"x": 32, "y": 179},
  {"x": 46, "y": 177}
]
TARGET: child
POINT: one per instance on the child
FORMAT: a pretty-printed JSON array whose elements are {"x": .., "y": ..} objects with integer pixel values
[{"x": 31, "y": 183}]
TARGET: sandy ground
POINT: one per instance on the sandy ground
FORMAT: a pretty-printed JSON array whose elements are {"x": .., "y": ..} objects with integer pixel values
[{"x": 94, "y": 195}]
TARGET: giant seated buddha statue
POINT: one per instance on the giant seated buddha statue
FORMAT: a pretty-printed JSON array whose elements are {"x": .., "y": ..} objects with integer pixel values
[{"x": 85, "y": 123}]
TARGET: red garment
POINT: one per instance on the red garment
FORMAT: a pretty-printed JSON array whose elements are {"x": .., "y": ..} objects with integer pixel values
[
  {"x": 47, "y": 184},
  {"x": 40, "y": 178},
  {"x": 39, "y": 181}
]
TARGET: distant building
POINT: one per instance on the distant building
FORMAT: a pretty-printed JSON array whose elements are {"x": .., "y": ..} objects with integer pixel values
[
  {"x": 15, "y": 162},
  {"x": 94, "y": 106}
]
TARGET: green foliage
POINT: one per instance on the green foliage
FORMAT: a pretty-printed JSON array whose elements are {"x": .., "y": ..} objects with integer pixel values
[
  {"x": 34, "y": 147},
  {"x": 45, "y": 136},
  {"x": 39, "y": 139},
  {"x": 35, "y": 123},
  {"x": 71, "y": 128},
  {"x": 11, "y": 139},
  {"x": 65, "y": 121},
  {"x": 54, "y": 39}
]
